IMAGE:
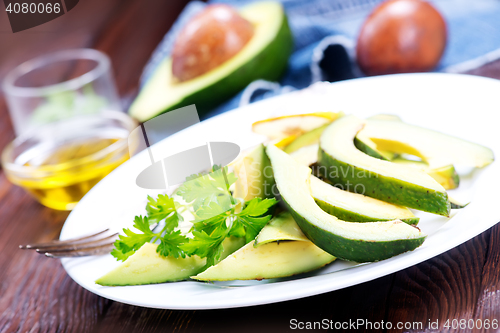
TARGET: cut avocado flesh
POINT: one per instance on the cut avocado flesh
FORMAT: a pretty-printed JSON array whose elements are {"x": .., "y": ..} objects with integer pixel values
[
  {"x": 306, "y": 139},
  {"x": 456, "y": 204},
  {"x": 269, "y": 261},
  {"x": 383, "y": 180},
  {"x": 281, "y": 228},
  {"x": 307, "y": 155},
  {"x": 368, "y": 147},
  {"x": 255, "y": 177},
  {"x": 280, "y": 250},
  {"x": 355, "y": 207},
  {"x": 435, "y": 148},
  {"x": 361, "y": 242},
  {"x": 146, "y": 266},
  {"x": 446, "y": 175},
  {"x": 265, "y": 56},
  {"x": 345, "y": 205}
]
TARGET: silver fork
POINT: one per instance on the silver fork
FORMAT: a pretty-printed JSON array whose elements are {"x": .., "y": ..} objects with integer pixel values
[{"x": 89, "y": 245}]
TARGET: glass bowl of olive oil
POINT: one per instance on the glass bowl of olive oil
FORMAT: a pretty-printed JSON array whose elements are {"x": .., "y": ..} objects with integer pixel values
[{"x": 61, "y": 161}]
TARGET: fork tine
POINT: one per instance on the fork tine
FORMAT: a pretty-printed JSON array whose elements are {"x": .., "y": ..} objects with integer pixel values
[
  {"x": 78, "y": 246},
  {"x": 59, "y": 242},
  {"x": 91, "y": 251}
]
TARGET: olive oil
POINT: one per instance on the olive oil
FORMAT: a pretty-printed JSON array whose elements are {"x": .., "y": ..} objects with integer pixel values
[{"x": 61, "y": 175}]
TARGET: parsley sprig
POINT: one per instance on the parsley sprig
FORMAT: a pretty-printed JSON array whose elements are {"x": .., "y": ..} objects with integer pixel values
[
  {"x": 217, "y": 215},
  {"x": 170, "y": 241}
]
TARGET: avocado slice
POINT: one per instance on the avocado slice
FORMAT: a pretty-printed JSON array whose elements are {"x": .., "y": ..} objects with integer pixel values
[
  {"x": 307, "y": 155},
  {"x": 434, "y": 148},
  {"x": 146, "y": 266},
  {"x": 281, "y": 228},
  {"x": 285, "y": 251},
  {"x": 383, "y": 180},
  {"x": 368, "y": 147},
  {"x": 345, "y": 205},
  {"x": 255, "y": 178},
  {"x": 265, "y": 56},
  {"x": 342, "y": 204},
  {"x": 255, "y": 175},
  {"x": 355, "y": 207},
  {"x": 312, "y": 137},
  {"x": 446, "y": 175},
  {"x": 456, "y": 204},
  {"x": 280, "y": 250},
  {"x": 361, "y": 242},
  {"x": 269, "y": 261},
  {"x": 306, "y": 139}
]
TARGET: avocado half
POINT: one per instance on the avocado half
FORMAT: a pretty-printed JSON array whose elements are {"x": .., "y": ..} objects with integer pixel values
[{"x": 265, "y": 56}]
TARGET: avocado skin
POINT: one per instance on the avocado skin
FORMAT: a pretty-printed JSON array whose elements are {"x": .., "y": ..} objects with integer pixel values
[
  {"x": 386, "y": 188},
  {"x": 350, "y": 249},
  {"x": 259, "y": 67},
  {"x": 348, "y": 216},
  {"x": 368, "y": 150}
]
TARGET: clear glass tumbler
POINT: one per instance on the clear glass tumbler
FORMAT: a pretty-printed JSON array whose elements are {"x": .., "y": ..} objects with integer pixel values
[
  {"x": 58, "y": 86},
  {"x": 71, "y": 132}
]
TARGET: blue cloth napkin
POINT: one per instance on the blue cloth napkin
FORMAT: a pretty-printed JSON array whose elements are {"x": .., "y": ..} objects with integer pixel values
[{"x": 325, "y": 33}]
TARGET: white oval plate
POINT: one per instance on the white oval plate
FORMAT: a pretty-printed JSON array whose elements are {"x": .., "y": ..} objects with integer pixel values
[{"x": 464, "y": 106}]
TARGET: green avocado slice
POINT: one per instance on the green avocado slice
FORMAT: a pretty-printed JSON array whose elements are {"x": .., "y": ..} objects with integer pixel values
[
  {"x": 383, "y": 180},
  {"x": 307, "y": 155},
  {"x": 146, "y": 266},
  {"x": 280, "y": 250},
  {"x": 361, "y": 242},
  {"x": 281, "y": 228},
  {"x": 355, "y": 207},
  {"x": 269, "y": 261},
  {"x": 446, "y": 175},
  {"x": 456, "y": 204},
  {"x": 255, "y": 176},
  {"x": 265, "y": 56},
  {"x": 306, "y": 139},
  {"x": 255, "y": 169},
  {"x": 368, "y": 147},
  {"x": 435, "y": 148}
]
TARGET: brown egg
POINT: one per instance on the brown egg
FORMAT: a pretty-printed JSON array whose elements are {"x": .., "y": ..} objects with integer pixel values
[
  {"x": 208, "y": 40},
  {"x": 401, "y": 36}
]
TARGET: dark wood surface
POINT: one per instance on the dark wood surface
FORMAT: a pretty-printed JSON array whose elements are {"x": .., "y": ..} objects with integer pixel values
[{"x": 36, "y": 295}]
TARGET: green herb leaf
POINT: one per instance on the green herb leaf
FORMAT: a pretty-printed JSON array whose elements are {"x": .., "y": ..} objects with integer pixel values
[
  {"x": 215, "y": 219},
  {"x": 119, "y": 255},
  {"x": 160, "y": 209},
  {"x": 251, "y": 217},
  {"x": 206, "y": 246},
  {"x": 258, "y": 207},
  {"x": 202, "y": 189},
  {"x": 170, "y": 244},
  {"x": 127, "y": 244}
]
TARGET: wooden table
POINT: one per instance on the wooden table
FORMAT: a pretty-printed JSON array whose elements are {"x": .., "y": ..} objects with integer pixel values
[{"x": 36, "y": 295}]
